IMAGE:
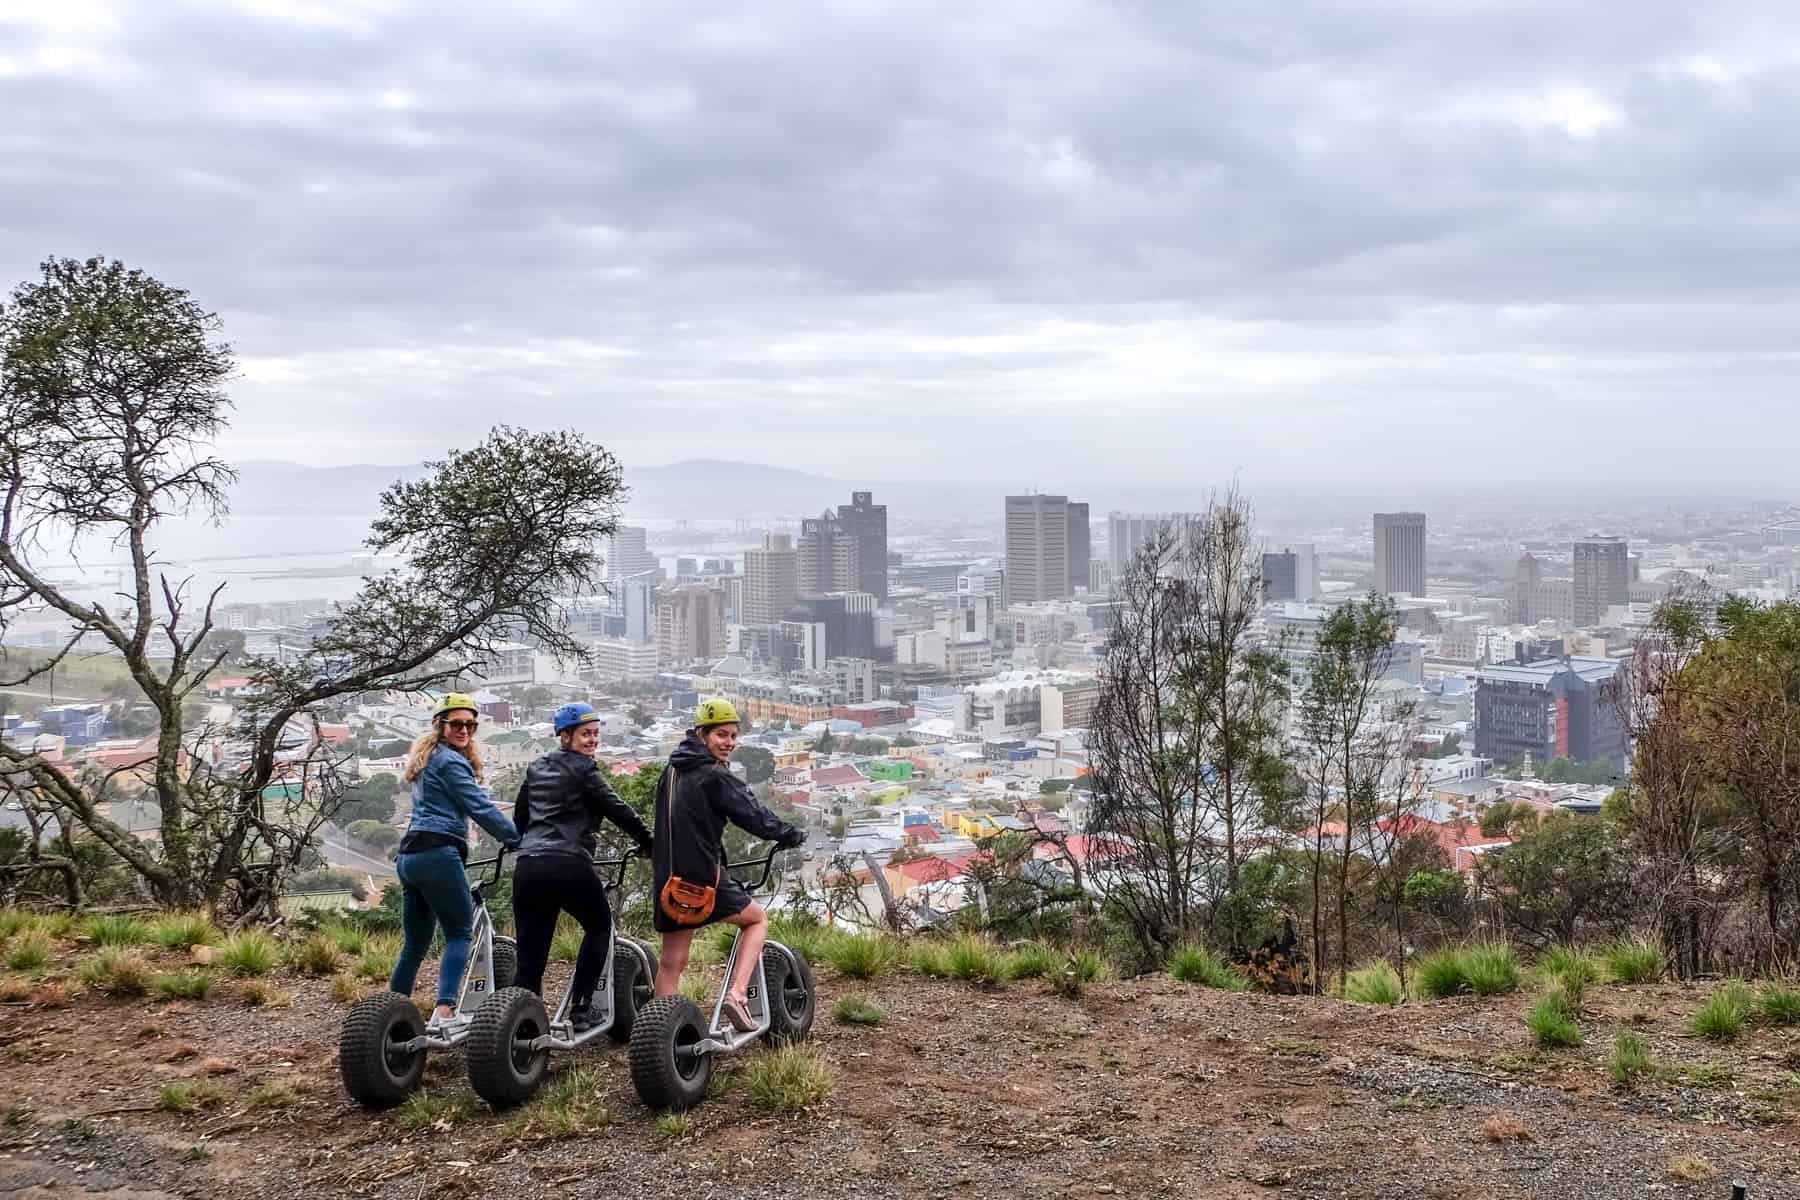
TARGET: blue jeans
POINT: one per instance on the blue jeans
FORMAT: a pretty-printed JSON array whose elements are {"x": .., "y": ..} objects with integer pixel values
[{"x": 436, "y": 893}]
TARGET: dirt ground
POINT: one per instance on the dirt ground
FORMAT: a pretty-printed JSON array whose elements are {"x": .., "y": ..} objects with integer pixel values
[{"x": 1144, "y": 1087}]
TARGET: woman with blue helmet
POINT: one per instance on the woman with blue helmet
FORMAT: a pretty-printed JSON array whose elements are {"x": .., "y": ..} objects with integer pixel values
[
  {"x": 561, "y": 803},
  {"x": 445, "y": 773}
]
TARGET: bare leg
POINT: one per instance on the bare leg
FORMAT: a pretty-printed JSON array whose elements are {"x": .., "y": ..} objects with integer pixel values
[
  {"x": 673, "y": 961},
  {"x": 755, "y": 924}
]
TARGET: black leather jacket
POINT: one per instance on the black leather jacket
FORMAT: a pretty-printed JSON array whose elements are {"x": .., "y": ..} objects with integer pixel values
[
  {"x": 690, "y": 826},
  {"x": 562, "y": 802}
]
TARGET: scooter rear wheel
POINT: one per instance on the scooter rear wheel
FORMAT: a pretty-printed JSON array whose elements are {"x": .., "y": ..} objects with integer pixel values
[{"x": 667, "y": 1070}]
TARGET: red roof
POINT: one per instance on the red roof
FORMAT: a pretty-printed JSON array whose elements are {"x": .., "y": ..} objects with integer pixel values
[
  {"x": 1453, "y": 837},
  {"x": 1084, "y": 848},
  {"x": 116, "y": 757},
  {"x": 923, "y": 833},
  {"x": 935, "y": 869},
  {"x": 222, "y": 685},
  {"x": 839, "y": 776}
]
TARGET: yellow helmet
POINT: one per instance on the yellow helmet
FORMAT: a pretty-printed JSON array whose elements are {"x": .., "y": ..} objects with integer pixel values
[
  {"x": 453, "y": 701},
  {"x": 715, "y": 712}
]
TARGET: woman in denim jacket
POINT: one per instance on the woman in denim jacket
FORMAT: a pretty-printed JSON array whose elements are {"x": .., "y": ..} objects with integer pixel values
[{"x": 445, "y": 773}]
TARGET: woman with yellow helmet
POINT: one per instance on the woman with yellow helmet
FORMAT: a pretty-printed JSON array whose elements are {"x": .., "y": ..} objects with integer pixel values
[
  {"x": 696, "y": 798},
  {"x": 445, "y": 773}
]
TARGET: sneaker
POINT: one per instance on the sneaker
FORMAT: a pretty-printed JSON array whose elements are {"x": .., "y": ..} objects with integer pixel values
[
  {"x": 739, "y": 1016},
  {"x": 581, "y": 1018}
]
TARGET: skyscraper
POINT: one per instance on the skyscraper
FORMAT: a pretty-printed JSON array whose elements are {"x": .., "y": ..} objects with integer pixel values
[
  {"x": 865, "y": 523},
  {"x": 690, "y": 624},
  {"x": 628, "y": 553},
  {"x": 1127, "y": 533},
  {"x": 1602, "y": 578},
  {"x": 1037, "y": 548},
  {"x": 1278, "y": 571},
  {"x": 1400, "y": 553},
  {"x": 1527, "y": 576},
  {"x": 771, "y": 580},
  {"x": 1081, "y": 547}
]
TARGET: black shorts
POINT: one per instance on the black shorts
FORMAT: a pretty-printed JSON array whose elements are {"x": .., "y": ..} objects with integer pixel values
[{"x": 732, "y": 899}]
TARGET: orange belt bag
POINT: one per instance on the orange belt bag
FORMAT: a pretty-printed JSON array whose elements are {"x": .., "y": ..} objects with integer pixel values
[{"x": 683, "y": 902}]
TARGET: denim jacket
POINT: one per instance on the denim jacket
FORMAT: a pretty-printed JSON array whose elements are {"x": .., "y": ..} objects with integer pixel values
[{"x": 445, "y": 796}]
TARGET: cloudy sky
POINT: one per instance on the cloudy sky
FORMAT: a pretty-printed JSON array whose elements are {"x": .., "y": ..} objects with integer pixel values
[{"x": 1048, "y": 241}]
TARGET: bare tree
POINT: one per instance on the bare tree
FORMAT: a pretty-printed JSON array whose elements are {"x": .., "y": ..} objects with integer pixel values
[{"x": 111, "y": 394}]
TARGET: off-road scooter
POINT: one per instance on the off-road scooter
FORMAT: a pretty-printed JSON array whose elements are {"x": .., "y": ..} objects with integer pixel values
[
  {"x": 384, "y": 1039},
  {"x": 673, "y": 1046},
  {"x": 512, "y": 1035}
]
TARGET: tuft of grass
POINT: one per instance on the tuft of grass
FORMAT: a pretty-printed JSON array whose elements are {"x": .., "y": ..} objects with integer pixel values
[
  {"x": 257, "y": 993},
  {"x": 974, "y": 959},
  {"x": 49, "y": 995},
  {"x": 349, "y": 940},
  {"x": 424, "y": 1112},
  {"x": 116, "y": 929},
  {"x": 29, "y": 951},
  {"x": 188, "y": 1095},
  {"x": 931, "y": 958},
  {"x": 1716, "y": 1076},
  {"x": 1723, "y": 1016},
  {"x": 196, "y": 1154},
  {"x": 117, "y": 972},
  {"x": 1780, "y": 1004},
  {"x": 787, "y": 1079},
  {"x": 14, "y": 989},
  {"x": 1193, "y": 963},
  {"x": 181, "y": 985},
  {"x": 376, "y": 965},
  {"x": 1552, "y": 1024},
  {"x": 251, "y": 952},
  {"x": 1635, "y": 960},
  {"x": 698, "y": 989},
  {"x": 316, "y": 956},
  {"x": 183, "y": 931},
  {"x": 1573, "y": 962},
  {"x": 857, "y": 1009},
  {"x": 1570, "y": 991},
  {"x": 12, "y": 920},
  {"x": 1690, "y": 1168},
  {"x": 566, "y": 945},
  {"x": 570, "y": 1106},
  {"x": 1034, "y": 960},
  {"x": 803, "y": 935},
  {"x": 1374, "y": 983},
  {"x": 711, "y": 946},
  {"x": 1490, "y": 969},
  {"x": 675, "y": 1125},
  {"x": 861, "y": 957},
  {"x": 345, "y": 990},
  {"x": 276, "y": 1093},
  {"x": 1504, "y": 1127},
  {"x": 1439, "y": 974},
  {"x": 1630, "y": 1059}
]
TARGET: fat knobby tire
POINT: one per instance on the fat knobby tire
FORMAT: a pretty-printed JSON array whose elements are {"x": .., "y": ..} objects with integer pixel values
[
  {"x": 506, "y": 962},
  {"x": 374, "y": 1076},
  {"x": 495, "y": 1072},
  {"x": 627, "y": 972},
  {"x": 662, "y": 1025},
  {"x": 780, "y": 974}
]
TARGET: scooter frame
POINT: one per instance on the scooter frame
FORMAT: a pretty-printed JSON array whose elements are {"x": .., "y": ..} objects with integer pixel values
[
  {"x": 562, "y": 1035},
  {"x": 721, "y": 1037}
]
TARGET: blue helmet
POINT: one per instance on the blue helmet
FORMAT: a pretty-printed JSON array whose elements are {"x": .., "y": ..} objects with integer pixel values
[{"x": 570, "y": 715}]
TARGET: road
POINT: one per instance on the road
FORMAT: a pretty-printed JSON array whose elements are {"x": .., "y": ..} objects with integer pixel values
[{"x": 339, "y": 853}]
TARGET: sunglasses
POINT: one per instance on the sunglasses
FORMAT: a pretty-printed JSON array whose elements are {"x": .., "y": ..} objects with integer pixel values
[{"x": 470, "y": 726}]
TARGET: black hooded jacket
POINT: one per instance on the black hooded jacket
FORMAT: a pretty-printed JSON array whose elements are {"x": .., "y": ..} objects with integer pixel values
[
  {"x": 690, "y": 833},
  {"x": 562, "y": 802}
]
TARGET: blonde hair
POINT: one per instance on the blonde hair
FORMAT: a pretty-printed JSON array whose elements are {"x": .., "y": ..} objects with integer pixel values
[{"x": 429, "y": 741}]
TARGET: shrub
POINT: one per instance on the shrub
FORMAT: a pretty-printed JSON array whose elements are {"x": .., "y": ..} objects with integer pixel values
[
  {"x": 14, "y": 989},
  {"x": 276, "y": 1093},
  {"x": 49, "y": 995},
  {"x": 260, "y": 993},
  {"x": 183, "y": 931},
  {"x": 349, "y": 940},
  {"x": 251, "y": 952},
  {"x": 1552, "y": 1024},
  {"x": 1635, "y": 961},
  {"x": 425, "y": 1111},
  {"x": 315, "y": 956},
  {"x": 30, "y": 951},
  {"x": 1375, "y": 983},
  {"x": 1630, "y": 1059},
  {"x": 117, "y": 972},
  {"x": 569, "y": 1106},
  {"x": 1192, "y": 963},
  {"x": 345, "y": 990},
  {"x": 1490, "y": 969},
  {"x": 1781, "y": 1004},
  {"x": 1034, "y": 960},
  {"x": 1570, "y": 961},
  {"x": 181, "y": 985},
  {"x": 116, "y": 929},
  {"x": 1088, "y": 965},
  {"x": 861, "y": 957},
  {"x": 187, "y": 1096},
  {"x": 375, "y": 967},
  {"x": 857, "y": 1009},
  {"x": 931, "y": 958},
  {"x": 1723, "y": 1015},
  {"x": 1439, "y": 974},
  {"x": 1691, "y": 1168},
  {"x": 1504, "y": 1127},
  {"x": 974, "y": 959},
  {"x": 1570, "y": 991},
  {"x": 787, "y": 1079}
]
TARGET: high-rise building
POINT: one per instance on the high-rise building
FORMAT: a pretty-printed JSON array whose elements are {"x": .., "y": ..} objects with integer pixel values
[
  {"x": 849, "y": 621},
  {"x": 690, "y": 624},
  {"x": 1127, "y": 533},
  {"x": 1278, "y": 575},
  {"x": 1527, "y": 576},
  {"x": 1400, "y": 553},
  {"x": 1081, "y": 546},
  {"x": 1550, "y": 708},
  {"x": 1306, "y": 571},
  {"x": 638, "y": 596},
  {"x": 1037, "y": 548},
  {"x": 865, "y": 522},
  {"x": 1602, "y": 578},
  {"x": 771, "y": 580},
  {"x": 628, "y": 553}
]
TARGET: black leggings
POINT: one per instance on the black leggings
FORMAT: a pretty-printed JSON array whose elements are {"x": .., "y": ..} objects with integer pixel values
[{"x": 543, "y": 886}]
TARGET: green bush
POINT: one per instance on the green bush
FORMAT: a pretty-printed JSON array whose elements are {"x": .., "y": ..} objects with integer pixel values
[
  {"x": 349, "y": 940},
  {"x": 116, "y": 929},
  {"x": 1635, "y": 961},
  {"x": 1490, "y": 969},
  {"x": 315, "y": 956},
  {"x": 1194, "y": 963},
  {"x": 1723, "y": 1016},
  {"x": 1088, "y": 965},
  {"x": 930, "y": 957},
  {"x": 857, "y": 1009},
  {"x": 1781, "y": 1004},
  {"x": 1570, "y": 961},
  {"x": 974, "y": 959},
  {"x": 787, "y": 1079},
  {"x": 1630, "y": 1059},
  {"x": 565, "y": 946},
  {"x": 861, "y": 957},
  {"x": 251, "y": 952},
  {"x": 801, "y": 934},
  {"x": 182, "y": 931},
  {"x": 1439, "y": 974},
  {"x": 29, "y": 951},
  {"x": 1034, "y": 960},
  {"x": 1552, "y": 1024},
  {"x": 117, "y": 971},
  {"x": 1375, "y": 983},
  {"x": 181, "y": 985},
  {"x": 12, "y": 920}
]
